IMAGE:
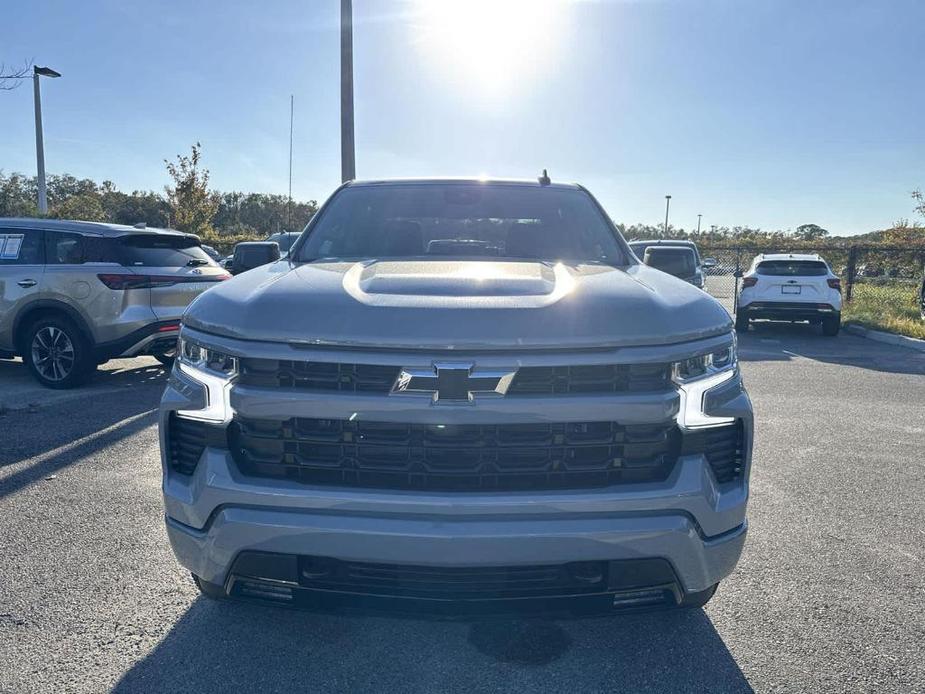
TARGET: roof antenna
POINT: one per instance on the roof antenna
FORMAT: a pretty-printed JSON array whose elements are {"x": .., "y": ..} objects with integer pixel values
[
  {"x": 141, "y": 225},
  {"x": 544, "y": 179}
]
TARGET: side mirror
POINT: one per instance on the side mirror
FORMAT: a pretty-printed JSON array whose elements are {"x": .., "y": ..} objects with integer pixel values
[
  {"x": 251, "y": 254},
  {"x": 738, "y": 273},
  {"x": 709, "y": 262}
]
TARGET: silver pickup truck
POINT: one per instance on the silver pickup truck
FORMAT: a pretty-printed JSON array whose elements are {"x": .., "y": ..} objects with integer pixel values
[{"x": 463, "y": 397}]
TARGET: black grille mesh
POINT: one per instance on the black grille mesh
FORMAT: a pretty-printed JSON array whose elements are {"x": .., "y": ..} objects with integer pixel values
[
  {"x": 724, "y": 448},
  {"x": 530, "y": 380},
  {"x": 454, "y": 457},
  {"x": 186, "y": 440}
]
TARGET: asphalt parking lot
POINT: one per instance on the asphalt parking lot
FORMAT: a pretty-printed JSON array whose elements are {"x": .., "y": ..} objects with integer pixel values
[{"x": 829, "y": 595}]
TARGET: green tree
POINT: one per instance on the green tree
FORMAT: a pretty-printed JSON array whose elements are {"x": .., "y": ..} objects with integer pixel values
[
  {"x": 192, "y": 203},
  {"x": 87, "y": 207},
  {"x": 810, "y": 232},
  {"x": 919, "y": 199},
  {"x": 17, "y": 196}
]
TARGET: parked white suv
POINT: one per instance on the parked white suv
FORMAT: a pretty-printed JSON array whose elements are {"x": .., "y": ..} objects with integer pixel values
[{"x": 790, "y": 287}]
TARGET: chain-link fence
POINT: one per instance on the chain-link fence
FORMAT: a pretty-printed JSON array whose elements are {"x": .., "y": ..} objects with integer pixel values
[{"x": 879, "y": 284}]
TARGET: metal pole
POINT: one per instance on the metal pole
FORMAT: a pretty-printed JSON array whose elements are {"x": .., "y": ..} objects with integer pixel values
[
  {"x": 291, "y": 110},
  {"x": 698, "y": 223},
  {"x": 667, "y": 203},
  {"x": 347, "y": 153},
  {"x": 39, "y": 146}
]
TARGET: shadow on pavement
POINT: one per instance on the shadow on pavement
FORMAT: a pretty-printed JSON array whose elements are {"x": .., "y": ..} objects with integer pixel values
[
  {"x": 220, "y": 647},
  {"x": 779, "y": 341},
  {"x": 62, "y": 434},
  {"x": 19, "y": 390}
]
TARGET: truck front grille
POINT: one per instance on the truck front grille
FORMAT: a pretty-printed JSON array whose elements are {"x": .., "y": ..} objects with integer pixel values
[
  {"x": 454, "y": 457},
  {"x": 530, "y": 380},
  {"x": 606, "y": 378},
  {"x": 450, "y": 582}
]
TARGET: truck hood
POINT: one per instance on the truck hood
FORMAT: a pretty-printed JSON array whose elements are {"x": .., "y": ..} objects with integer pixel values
[{"x": 458, "y": 305}]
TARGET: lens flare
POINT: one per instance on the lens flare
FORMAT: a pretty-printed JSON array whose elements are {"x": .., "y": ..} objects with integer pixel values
[{"x": 490, "y": 46}]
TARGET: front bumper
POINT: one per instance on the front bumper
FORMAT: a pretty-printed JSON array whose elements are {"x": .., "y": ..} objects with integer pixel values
[
  {"x": 788, "y": 311},
  {"x": 217, "y": 514},
  {"x": 690, "y": 520}
]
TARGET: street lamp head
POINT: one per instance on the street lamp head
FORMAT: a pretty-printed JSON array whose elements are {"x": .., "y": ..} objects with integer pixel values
[
  {"x": 668, "y": 197},
  {"x": 45, "y": 71}
]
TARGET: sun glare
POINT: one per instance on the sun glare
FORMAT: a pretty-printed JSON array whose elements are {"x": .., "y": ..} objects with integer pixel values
[{"x": 495, "y": 46}]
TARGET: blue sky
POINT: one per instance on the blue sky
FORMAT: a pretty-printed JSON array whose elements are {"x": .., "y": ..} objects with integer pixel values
[{"x": 765, "y": 113}]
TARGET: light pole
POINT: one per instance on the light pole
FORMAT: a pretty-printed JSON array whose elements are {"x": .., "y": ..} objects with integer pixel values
[
  {"x": 347, "y": 154},
  {"x": 698, "y": 222},
  {"x": 667, "y": 204},
  {"x": 39, "y": 143},
  {"x": 289, "y": 211}
]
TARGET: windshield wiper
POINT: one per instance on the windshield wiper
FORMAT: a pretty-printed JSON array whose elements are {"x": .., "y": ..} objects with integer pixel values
[{"x": 195, "y": 262}]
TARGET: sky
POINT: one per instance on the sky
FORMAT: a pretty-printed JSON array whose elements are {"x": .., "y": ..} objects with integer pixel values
[{"x": 765, "y": 113}]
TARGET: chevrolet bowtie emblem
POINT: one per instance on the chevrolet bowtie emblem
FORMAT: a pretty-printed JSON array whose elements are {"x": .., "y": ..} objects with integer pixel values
[{"x": 454, "y": 382}]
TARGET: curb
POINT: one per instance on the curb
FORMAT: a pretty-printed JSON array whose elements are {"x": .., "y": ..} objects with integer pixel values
[{"x": 888, "y": 338}]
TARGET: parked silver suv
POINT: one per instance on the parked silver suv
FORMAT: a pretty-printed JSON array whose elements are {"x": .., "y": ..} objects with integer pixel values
[
  {"x": 75, "y": 294},
  {"x": 461, "y": 396}
]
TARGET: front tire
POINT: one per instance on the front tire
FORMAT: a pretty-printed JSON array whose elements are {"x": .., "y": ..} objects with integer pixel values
[
  {"x": 57, "y": 353},
  {"x": 831, "y": 325}
]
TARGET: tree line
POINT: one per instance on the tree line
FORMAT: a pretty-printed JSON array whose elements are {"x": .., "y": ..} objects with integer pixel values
[
  {"x": 188, "y": 204},
  {"x": 224, "y": 218}
]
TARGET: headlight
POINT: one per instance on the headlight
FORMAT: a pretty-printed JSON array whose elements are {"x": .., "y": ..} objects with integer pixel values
[
  {"x": 216, "y": 371},
  {"x": 695, "y": 376},
  {"x": 203, "y": 358}
]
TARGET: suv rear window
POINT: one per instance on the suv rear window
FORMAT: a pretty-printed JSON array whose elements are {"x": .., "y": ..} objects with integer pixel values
[
  {"x": 675, "y": 261},
  {"x": 154, "y": 250},
  {"x": 801, "y": 268}
]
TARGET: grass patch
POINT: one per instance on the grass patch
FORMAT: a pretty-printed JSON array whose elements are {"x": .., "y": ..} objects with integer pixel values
[{"x": 893, "y": 307}]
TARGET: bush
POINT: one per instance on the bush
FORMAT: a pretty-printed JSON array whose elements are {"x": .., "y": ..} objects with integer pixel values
[{"x": 892, "y": 306}]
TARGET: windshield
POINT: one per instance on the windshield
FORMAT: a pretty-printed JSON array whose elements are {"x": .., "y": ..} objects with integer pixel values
[
  {"x": 154, "y": 250},
  {"x": 463, "y": 219},
  {"x": 675, "y": 261},
  {"x": 784, "y": 268}
]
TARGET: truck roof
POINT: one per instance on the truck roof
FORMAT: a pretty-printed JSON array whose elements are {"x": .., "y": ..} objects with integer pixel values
[{"x": 529, "y": 183}]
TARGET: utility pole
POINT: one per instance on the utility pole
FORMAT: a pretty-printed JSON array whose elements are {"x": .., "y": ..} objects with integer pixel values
[
  {"x": 289, "y": 213},
  {"x": 347, "y": 152},
  {"x": 698, "y": 222},
  {"x": 39, "y": 140},
  {"x": 667, "y": 204}
]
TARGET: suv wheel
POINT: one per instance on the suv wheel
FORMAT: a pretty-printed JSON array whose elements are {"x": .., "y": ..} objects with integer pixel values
[
  {"x": 741, "y": 322},
  {"x": 831, "y": 324},
  {"x": 57, "y": 353}
]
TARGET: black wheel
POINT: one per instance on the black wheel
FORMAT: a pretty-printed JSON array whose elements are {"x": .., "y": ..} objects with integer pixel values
[
  {"x": 213, "y": 591},
  {"x": 699, "y": 599},
  {"x": 741, "y": 322},
  {"x": 166, "y": 358},
  {"x": 831, "y": 325},
  {"x": 57, "y": 353}
]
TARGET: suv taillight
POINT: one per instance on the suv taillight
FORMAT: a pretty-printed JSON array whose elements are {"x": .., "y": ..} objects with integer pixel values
[
  {"x": 835, "y": 284},
  {"x": 749, "y": 282},
  {"x": 121, "y": 281}
]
